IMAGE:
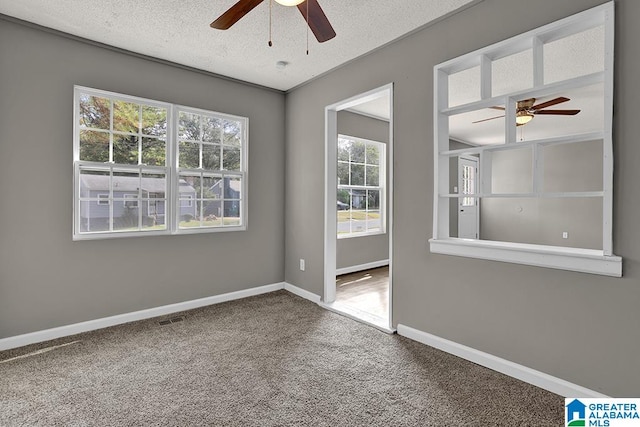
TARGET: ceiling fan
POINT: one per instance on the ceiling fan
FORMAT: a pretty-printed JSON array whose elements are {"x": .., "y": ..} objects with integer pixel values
[
  {"x": 310, "y": 9},
  {"x": 526, "y": 110}
]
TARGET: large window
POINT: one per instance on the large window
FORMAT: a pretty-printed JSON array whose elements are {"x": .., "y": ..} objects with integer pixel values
[
  {"x": 361, "y": 185},
  {"x": 535, "y": 114},
  {"x": 148, "y": 167}
]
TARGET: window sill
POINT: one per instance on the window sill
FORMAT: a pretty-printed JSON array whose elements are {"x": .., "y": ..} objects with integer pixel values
[{"x": 573, "y": 259}]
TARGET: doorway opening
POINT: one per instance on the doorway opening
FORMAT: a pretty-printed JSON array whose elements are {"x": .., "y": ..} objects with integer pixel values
[
  {"x": 358, "y": 242},
  {"x": 468, "y": 209}
]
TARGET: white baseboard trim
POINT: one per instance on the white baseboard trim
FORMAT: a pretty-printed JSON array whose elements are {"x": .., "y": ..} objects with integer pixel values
[
  {"x": 91, "y": 325},
  {"x": 361, "y": 267},
  {"x": 301, "y": 292},
  {"x": 528, "y": 375}
]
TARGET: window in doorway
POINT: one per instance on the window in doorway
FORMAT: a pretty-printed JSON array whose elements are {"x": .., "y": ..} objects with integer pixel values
[{"x": 361, "y": 187}]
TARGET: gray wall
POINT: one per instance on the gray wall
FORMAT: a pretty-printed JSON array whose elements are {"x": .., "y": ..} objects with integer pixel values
[
  {"x": 46, "y": 279},
  {"x": 364, "y": 249},
  {"x": 579, "y": 327},
  {"x": 567, "y": 167}
]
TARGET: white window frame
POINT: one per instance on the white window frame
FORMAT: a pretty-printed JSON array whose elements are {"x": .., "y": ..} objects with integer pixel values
[
  {"x": 603, "y": 261},
  {"x": 222, "y": 173},
  {"x": 381, "y": 187},
  {"x": 170, "y": 170}
]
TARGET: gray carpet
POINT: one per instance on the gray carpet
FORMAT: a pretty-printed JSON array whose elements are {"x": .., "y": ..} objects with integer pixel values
[{"x": 270, "y": 360}]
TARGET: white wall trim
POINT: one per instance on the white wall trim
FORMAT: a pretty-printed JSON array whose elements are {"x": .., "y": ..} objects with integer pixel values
[
  {"x": 514, "y": 370},
  {"x": 91, "y": 325},
  {"x": 302, "y": 292},
  {"x": 573, "y": 259},
  {"x": 362, "y": 267}
]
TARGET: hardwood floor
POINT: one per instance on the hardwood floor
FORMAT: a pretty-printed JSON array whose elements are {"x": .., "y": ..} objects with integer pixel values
[{"x": 365, "y": 290}]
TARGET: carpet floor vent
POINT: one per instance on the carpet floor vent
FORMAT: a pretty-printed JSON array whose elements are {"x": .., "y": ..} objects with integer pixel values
[{"x": 172, "y": 320}]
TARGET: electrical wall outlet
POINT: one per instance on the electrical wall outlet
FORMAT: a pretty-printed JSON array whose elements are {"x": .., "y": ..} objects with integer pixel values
[
  {"x": 301, "y": 264},
  {"x": 565, "y": 235}
]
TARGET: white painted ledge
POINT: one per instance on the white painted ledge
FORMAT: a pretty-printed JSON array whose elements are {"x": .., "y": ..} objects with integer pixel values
[
  {"x": 514, "y": 370},
  {"x": 573, "y": 259}
]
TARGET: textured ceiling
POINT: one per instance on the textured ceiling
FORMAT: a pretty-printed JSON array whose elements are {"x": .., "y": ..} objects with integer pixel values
[{"x": 179, "y": 31}]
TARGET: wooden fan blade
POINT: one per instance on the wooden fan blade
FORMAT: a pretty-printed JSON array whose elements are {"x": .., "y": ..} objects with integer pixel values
[
  {"x": 318, "y": 21},
  {"x": 556, "y": 101},
  {"x": 558, "y": 112},
  {"x": 234, "y": 14},
  {"x": 497, "y": 108},
  {"x": 484, "y": 120}
]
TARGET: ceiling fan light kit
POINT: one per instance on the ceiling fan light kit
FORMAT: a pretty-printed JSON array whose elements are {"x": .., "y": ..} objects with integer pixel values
[
  {"x": 526, "y": 111},
  {"x": 289, "y": 2}
]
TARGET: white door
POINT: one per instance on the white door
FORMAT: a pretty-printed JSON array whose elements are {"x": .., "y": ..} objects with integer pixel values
[{"x": 468, "y": 218}]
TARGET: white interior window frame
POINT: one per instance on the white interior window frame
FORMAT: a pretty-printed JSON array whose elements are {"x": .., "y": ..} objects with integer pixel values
[
  {"x": 170, "y": 170},
  {"x": 602, "y": 262},
  {"x": 223, "y": 173},
  {"x": 381, "y": 187}
]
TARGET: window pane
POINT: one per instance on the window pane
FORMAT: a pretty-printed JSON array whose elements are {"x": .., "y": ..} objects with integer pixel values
[
  {"x": 211, "y": 188},
  {"x": 125, "y": 149},
  {"x": 189, "y": 126},
  {"x": 211, "y": 129},
  {"x": 357, "y": 152},
  {"x": 359, "y": 199},
  {"x": 230, "y": 159},
  {"x": 343, "y": 173},
  {"x": 343, "y": 149},
  {"x": 232, "y": 133},
  {"x": 94, "y": 146},
  {"x": 357, "y": 174},
  {"x": 373, "y": 154},
  {"x": 373, "y": 199},
  {"x": 93, "y": 217},
  {"x": 374, "y": 221},
  {"x": 373, "y": 177},
  {"x": 189, "y": 155},
  {"x": 126, "y": 116},
  {"x": 154, "y": 185},
  {"x": 94, "y": 183},
  {"x": 154, "y": 120},
  {"x": 212, "y": 213},
  {"x": 189, "y": 185},
  {"x": 211, "y": 157},
  {"x": 154, "y": 152},
  {"x": 232, "y": 188},
  {"x": 95, "y": 112},
  {"x": 231, "y": 212}
]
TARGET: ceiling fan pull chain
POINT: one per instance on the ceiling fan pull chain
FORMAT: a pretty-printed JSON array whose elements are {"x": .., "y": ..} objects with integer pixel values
[
  {"x": 307, "y": 27},
  {"x": 270, "y": 7}
]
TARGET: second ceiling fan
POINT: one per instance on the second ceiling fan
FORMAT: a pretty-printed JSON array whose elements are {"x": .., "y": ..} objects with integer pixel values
[
  {"x": 526, "y": 110},
  {"x": 310, "y": 10}
]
